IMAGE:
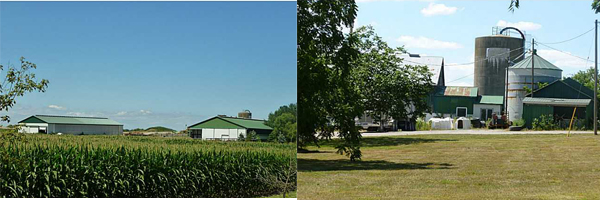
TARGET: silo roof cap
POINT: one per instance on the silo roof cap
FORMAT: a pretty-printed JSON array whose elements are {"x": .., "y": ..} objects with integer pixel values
[{"x": 540, "y": 63}]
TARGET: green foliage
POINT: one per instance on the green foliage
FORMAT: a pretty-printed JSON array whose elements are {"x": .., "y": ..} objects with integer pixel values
[
  {"x": 519, "y": 122},
  {"x": 544, "y": 122},
  {"x": 252, "y": 136},
  {"x": 283, "y": 121},
  {"x": 423, "y": 125},
  {"x": 18, "y": 82},
  {"x": 389, "y": 87},
  {"x": 586, "y": 78},
  {"x": 241, "y": 137},
  {"x": 540, "y": 85},
  {"x": 328, "y": 99},
  {"x": 120, "y": 166},
  {"x": 515, "y": 4}
]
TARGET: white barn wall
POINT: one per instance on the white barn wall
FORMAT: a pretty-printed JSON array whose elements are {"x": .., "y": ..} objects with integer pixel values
[
  {"x": 477, "y": 109},
  {"x": 211, "y": 133},
  {"x": 86, "y": 129},
  {"x": 32, "y": 127}
]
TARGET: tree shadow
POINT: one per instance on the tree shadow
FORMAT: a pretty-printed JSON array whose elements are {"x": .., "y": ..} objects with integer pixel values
[
  {"x": 312, "y": 151},
  {"x": 311, "y": 165},
  {"x": 386, "y": 141}
]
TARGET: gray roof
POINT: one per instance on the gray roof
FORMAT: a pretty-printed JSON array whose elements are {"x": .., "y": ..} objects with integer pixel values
[
  {"x": 52, "y": 119},
  {"x": 539, "y": 63},
  {"x": 557, "y": 101}
]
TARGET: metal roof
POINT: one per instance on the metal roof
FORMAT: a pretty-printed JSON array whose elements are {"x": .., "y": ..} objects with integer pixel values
[
  {"x": 540, "y": 63},
  {"x": 240, "y": 122},
  {"x": 51, "y": 119},
  {"x": 248, "y": 123},
  {"x": 489, "y": 99},
  {"x": 457, "y": 91},
  {"x": 557, "y": 102}
]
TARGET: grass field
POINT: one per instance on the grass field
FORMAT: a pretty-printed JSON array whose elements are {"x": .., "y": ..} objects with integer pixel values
[
  {"x": 128, "y": 166},
  {"x": 456, "y": 167}
]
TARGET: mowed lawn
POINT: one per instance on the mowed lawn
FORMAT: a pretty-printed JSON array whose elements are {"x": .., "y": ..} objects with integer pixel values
[{"x": 456, "y": 167}]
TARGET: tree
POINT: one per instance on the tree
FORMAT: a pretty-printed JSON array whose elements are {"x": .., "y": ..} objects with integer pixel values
[
  {"x": 284, "y": 123},
  {"x": 586, "y": 78},
  {"x": 18, "y": 82},
  {"x": 252, "y": 136},
  {"x": 284, "y": 128},
  {"x": 515, "y": 4},
  {"x": 389, "y": 88},
  {"x": 328, "y": 100}
]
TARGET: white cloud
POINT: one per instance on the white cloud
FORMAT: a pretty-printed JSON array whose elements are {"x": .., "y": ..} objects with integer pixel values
[
  {"x": 569, "y": 63},
  {"x": 458, "y": 75},
  {"x": 56, "y": 107},
  {"x": 76, "y": 113},
  {"x": 121, "y": 113},
  {"x": 524, "y": 26},
  {"x": 145, "y": 112},
  {"x": 438, "y": 9},
  {"x": 426, "y": 43}
]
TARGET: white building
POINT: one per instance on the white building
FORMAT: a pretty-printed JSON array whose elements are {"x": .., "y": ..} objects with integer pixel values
[{"x": 70, "y": 125}]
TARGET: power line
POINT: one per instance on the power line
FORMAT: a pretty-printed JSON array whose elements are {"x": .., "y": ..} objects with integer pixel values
[
  {"x": 571, "y": 38},
  {"x": 563, "y": 51},
  {"x": 474, "y": 72},
  {"x": 458, "y": 64}
]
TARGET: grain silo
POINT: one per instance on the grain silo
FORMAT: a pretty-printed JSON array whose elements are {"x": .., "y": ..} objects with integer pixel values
[
  {"x": 246, "y": 114},
  {"x": 492, "y": 54},
  {"x": 519, "y": 76}
]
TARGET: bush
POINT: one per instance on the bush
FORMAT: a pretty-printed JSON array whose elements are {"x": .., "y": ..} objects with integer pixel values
[
  {"x": 544, "y": 122},
  {"x": 423, "y": 125},
  {"x": 520, "y": 123}
]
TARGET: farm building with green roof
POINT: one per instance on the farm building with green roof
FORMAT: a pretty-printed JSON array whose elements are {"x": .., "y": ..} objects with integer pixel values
[
  {"x": 70, "y": 125},
  {"x": 228, "y": 128},
  {"x": 460, "y": 101}
]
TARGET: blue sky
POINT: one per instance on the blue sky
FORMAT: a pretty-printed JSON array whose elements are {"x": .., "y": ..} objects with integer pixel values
[
  {"x": 449, "y": 29},
  {"x": 153, "y": 63}
]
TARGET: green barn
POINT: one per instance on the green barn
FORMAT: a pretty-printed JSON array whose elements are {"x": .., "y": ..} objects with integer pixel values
[
  {"x": 559, "y": 100},
  {"x": 460, "y": 101},
  {"x": 228, "y": 128}
]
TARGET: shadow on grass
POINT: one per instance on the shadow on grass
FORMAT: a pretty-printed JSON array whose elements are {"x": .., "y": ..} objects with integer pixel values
[
  {"x": 313, "y": 151},
  {"x": 308, "y": 165},
  {"x": 386, "y": 141}
]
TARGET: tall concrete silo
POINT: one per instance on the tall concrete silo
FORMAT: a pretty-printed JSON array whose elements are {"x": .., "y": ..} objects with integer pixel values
[
  {"x": 492, "y": 54},
  {"x": 519, "y": 76}
]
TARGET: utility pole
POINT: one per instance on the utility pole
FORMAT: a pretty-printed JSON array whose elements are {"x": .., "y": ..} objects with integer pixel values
[
  {"x": 596, "y": 81},
  {"x": 532, "y": 63}
]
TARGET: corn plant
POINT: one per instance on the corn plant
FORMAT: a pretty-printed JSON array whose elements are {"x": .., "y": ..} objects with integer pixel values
[{"x": 119, "y": 166}]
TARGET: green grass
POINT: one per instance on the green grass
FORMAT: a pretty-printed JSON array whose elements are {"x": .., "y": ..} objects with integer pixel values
[
  {"x": 456, "y": 167},
  {"x": 127, "y": 166},
  {"x": 289, "y": 195}
]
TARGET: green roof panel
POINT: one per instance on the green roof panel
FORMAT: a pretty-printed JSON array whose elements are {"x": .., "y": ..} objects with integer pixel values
[
  {"x": 249, "y": 123},
  {"x": 539, "y": 63},
  {"x": 216, "y": 122},
  {"x": 231, "y": 123},
  {"x": 489, "y": 99}
]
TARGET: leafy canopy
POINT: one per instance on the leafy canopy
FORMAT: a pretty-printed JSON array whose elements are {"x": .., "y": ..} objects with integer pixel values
[{"x": 18, "y": 82}]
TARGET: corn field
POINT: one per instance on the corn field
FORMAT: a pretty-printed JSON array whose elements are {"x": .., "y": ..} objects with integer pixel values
[{"x": 129, "y": 166}]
